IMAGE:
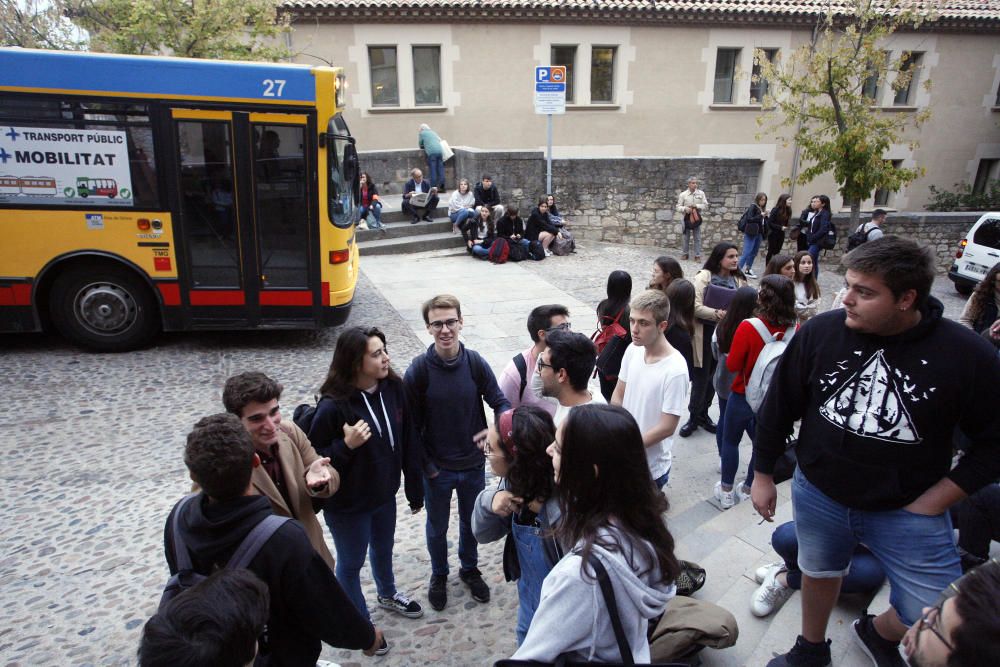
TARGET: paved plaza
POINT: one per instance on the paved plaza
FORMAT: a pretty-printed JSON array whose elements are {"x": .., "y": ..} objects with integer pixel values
[{"x": 92, "y": 462}]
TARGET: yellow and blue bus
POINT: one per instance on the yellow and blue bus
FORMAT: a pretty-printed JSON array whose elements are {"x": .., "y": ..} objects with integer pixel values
[{"x": 144, "y": 193}]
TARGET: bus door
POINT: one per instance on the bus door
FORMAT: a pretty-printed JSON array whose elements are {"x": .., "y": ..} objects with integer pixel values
[{"x": 246, "y": 218}]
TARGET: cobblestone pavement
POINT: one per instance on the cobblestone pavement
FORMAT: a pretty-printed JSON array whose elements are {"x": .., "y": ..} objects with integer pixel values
[{"x": 91, "y": 464}]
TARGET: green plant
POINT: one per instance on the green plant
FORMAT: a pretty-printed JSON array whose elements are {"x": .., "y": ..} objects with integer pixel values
[{"x": 963, "y": 199}]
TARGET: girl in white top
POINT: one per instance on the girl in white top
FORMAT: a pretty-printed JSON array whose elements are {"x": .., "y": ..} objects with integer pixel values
[
  {"x": 806, "y": 288},
  {"x": 461, "y": 206}
]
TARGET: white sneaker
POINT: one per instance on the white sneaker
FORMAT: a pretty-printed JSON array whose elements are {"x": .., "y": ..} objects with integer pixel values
[
  {"x": 762, "y": 571},
  {"x": 726, "y": 498},
  {"x": 742, "y": 490},
  {"x": 548, "y": 253},
  {"x": 771, "y": 595},
  {"x": 750, "y": 274},
  {"x": 327, "y": 663}
]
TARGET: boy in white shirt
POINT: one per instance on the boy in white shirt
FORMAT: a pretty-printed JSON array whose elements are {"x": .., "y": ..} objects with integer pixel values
[{"x": 653, "y": 381}]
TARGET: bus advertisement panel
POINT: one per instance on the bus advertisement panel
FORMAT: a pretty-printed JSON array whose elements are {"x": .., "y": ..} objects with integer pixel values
[{"x": 64, "y": 167}]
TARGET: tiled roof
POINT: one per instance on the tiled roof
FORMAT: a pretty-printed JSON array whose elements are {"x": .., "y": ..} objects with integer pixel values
[{"x": 951, "y": 13}]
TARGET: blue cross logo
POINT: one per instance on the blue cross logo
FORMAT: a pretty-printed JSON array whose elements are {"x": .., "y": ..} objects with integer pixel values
[
  {"x": 13, "y": 134},
  {"x": 4, "y": 155}
]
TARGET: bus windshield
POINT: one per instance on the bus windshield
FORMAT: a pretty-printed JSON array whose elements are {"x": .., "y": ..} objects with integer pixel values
[{"x": 343, "y": 177}]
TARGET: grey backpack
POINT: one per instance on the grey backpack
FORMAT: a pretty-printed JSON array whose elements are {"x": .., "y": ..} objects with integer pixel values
[
  {"x": 767, "y": 361},
  {"x": 186, "y": 577}
]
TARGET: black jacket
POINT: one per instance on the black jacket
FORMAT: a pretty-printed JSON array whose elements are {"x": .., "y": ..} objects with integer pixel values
[
  {"x": 539, "y": 222},
  {"x": 774, "y": 225},
  {"x": 508, "y": 226},
  {"x": 878, "y": 412},
  {"x": 489, "y": 197},
  {"x": 307, "y": 603},
  {"x": 370, "y": 474}
]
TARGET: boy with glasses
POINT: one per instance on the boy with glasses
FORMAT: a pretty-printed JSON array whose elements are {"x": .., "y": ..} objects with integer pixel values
[
  {"x": 447, "y": 387},
  {"x": 520, "y": 371}
]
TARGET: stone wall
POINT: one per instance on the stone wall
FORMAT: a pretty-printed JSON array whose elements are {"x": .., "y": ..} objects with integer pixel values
[{"x": 631, "y": 200}]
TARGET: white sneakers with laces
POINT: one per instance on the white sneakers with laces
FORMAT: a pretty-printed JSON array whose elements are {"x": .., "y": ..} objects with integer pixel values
[
  {"x": 727, "y": 499},
  {"x": 772, "y": 593}
]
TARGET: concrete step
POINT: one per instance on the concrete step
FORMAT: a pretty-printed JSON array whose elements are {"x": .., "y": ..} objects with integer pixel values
[
  {"x": 394, "y": 230},
  {"x": 414, "y": 243}
]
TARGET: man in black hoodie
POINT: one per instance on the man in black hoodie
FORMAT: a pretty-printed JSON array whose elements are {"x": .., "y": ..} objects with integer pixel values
[
  {"x": 308, "y": 606},
  {"x": 447, "y": 386},
  {"x": 880, "y": 387}
]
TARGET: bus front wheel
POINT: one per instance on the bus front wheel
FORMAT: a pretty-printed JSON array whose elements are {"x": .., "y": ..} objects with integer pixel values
[{"x": 107, "y": 309}]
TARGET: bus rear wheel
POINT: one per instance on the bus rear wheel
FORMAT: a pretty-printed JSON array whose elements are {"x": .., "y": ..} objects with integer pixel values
[{"x": 107, "y": 309}]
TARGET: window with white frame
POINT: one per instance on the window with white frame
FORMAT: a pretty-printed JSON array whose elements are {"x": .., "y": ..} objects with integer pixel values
[
  {"x": 565, "y": 55},
  {"x": 909, "y": 67},
  {"x": 602, "y": 74},
  {"x": 725, "y": 76},
  {"x": 384, "y": 76},
  {"x": 427, "y": 75}
]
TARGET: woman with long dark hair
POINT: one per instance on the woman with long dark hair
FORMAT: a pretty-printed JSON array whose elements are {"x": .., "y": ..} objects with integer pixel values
[
  {"x": 665, "y": 270},
  {"x": 611, "y": 510},
  {"x": 781, "y": 264},
  {"x": 722, "y": 270},
  {"x": 807, "y": 292},
  {"x": 753, "y": 224},
  {"x": 983, "y": 307},
  {"x": 777, "y": 223},
  {"x": 775, "y": 311},
  {"x": 522, "y": 505},
  {"x": 362, "y": 424},
  {"x": 369, "y": 201},
  {"x": 480, "y": 232},
  {"x": 740, "y": 308},
  {"x": 680, "y": 321},
  {"x": 819, "y": 227},
  {"x": 614, "y": 309}
]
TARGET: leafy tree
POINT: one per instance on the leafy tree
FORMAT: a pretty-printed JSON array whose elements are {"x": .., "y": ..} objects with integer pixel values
[
  {"x": 820, "y": 98},
  {"x": 37, "y": 24},
  {"x": 227, "y": 29}
]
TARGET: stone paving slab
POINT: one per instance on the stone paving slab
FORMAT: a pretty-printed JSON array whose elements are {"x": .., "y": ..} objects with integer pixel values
[{"x": 91, "y": 457}]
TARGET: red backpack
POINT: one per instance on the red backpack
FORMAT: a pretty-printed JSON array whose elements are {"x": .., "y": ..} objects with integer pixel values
[
  {"x": 611, "y": 342},
  {"x": 499, "y": 251}
]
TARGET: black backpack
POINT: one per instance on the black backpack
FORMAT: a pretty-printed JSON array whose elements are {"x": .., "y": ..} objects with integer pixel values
[
  {"x": 518, "y": 252},
  {"x": 304, "y": 414},
  {"x": 859, "y": 236},
  {"x": 186, "y": 576},
  {"x": 829, "y": 242},
  {"x": 536, "y": 250}
]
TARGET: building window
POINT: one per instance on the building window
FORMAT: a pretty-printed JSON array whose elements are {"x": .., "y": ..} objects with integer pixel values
[
  {"x": 384, "y": 77},
  {"x": 909, "y": 63},
  {"x": 989, "y": 170},
  {"x": 725, "y": 75},
  {"x": 870, "y": 88},
  {"x": 602, "y": 74},
  {"x": 565, "y": 56},
  {"x": 758, "y": 84},
  {"x": 882, "y": 194},
  {"x": 427, "y": 75}
]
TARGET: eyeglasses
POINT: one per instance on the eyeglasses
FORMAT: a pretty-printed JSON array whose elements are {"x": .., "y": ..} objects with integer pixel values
[
  {"x": 932, "y": 620},
  {"x": 559, "y": 327},
  {"x": 542, "y": 364},
  {"x": 437, "y": 325}
]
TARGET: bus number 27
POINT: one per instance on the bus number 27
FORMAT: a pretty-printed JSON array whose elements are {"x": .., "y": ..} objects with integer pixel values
[{"x": 273, "y": 87}]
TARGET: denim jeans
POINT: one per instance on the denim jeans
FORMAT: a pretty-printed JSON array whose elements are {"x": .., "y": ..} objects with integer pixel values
[
  {"x": 435, "y": 170},
  {"x": 461, "y": 215},
  {"x": 437, "y": 498},
  {"x": 865, "y": 576},
  {"x": 918, "y": 552},
  {"x": 662, "y": 480},
  {"x": 481, "y": 250},
  {"x": 751, "y": 245},
  {"x": 376, "y": 212},
  {"x": 354, "y": 533},
  {"x": 534, "y": 567},
  {"x": 739, "y": 420}
]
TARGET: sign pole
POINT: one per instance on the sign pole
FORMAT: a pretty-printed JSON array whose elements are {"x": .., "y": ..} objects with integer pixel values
[{"x": 548, "y": 158}]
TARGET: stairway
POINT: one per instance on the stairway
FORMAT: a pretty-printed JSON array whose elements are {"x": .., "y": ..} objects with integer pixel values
[
  {"x": 731, "y": 545},
  {"x": 400, "y": 237}
]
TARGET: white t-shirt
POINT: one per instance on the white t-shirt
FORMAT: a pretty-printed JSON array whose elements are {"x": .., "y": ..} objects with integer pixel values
[
  {"x": 563, "y": 410},
  {"x": 652, "y": 390}
]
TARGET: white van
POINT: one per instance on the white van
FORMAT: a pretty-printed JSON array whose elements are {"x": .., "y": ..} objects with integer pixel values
[{"x": 977, "y": 253}]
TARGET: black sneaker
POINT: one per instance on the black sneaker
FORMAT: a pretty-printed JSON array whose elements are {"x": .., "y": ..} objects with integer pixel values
[
  {"x": 383, "y": 649},
  {"x": 474, "y": 580},
  {"x": 883, "y": 652},
  {"x": 804, "y": 654},
  {"x": 437, "y": 593},
  {"x": 401, "y": 604}
]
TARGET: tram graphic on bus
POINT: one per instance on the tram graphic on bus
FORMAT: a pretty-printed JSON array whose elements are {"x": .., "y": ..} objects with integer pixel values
[
  {"x": 37, "y": 186},
  {"x": 98, "y": 187}
]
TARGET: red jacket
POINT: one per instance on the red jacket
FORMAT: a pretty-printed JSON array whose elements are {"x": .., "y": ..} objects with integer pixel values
[{"x": 745, "y": 349}]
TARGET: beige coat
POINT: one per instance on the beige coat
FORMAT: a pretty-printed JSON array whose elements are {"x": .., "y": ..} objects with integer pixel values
[
  {"x": 701, "y": 281},
  {"x": 296, "y": 455}
]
